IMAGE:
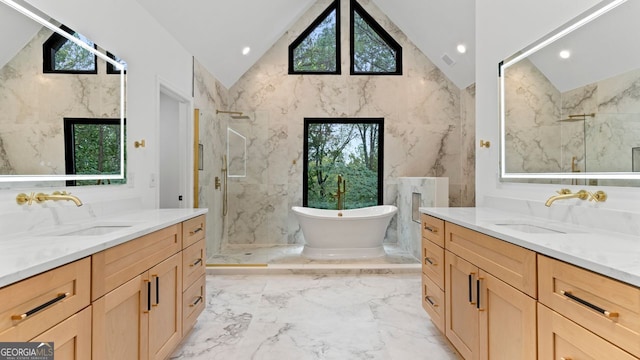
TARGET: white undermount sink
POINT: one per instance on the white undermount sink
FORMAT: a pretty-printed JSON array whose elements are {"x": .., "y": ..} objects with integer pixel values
[
  {"x": 531, "y": 229},
  {"x": 95, "y": 230}
]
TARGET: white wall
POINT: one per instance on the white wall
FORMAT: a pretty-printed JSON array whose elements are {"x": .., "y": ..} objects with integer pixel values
[
  {"x": 125, "y": 29},
  {"x": 502, "y": 28}
]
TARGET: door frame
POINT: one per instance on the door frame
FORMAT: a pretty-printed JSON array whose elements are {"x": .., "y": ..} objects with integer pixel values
[{"x": 184, "y": 138}]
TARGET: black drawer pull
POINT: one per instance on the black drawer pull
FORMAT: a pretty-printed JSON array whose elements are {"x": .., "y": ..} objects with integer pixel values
[
  {"x": 478, "y": 294},
  {"x": 148, "y": 295},
  {"x": 196, "y": 302},
  {"x": 430, "y": 261},
  {"x": 39, "y": 307},
  {"x": 435, "y": 231},
  {"x": 193, "y": 232},
  {"x": 604, "y": 312},
  {"x": 471, "y": 288},
  {"x": 196, "y": 262},
  {"x": 428, "y": 299}
]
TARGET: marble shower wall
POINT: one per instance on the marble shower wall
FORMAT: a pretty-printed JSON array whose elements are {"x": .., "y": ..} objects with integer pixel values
[
  {"x": 34, "y": 105},
  {"x": 209, "y": 96},
  {"x": 425, "y": 133}
]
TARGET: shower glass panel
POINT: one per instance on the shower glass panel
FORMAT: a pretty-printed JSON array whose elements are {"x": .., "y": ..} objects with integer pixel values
[{"x": 236, "y": 153}]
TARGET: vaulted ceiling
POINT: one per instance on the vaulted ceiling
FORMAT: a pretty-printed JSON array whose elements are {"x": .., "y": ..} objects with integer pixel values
[{"x": 215, "y": 32}]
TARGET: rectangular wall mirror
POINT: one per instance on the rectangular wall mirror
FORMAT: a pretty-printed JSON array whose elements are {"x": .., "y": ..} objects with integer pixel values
[
  {"x": 63, "y": 102},
  {"x": 570, "y": 102}
]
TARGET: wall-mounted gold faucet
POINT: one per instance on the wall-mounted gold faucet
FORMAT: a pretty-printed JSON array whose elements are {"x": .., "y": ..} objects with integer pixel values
[
  {"x": 340, "y": 193},
  {"x": 23, "y": 198},
  {"x": 598, "y": 196}
]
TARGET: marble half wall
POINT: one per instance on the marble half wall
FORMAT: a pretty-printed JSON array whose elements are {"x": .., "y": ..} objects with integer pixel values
[{"x": 413, "y": 193}]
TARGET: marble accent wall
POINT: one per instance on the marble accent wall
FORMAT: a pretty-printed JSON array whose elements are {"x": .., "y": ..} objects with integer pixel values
[
  {"x": 434, "y": 192},
  {"x": 423, "y": 129},
  {"x": 429, "y": 131},
  {"x": 34, "y": 105}
]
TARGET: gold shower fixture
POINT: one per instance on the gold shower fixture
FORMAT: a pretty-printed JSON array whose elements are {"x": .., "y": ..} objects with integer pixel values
[
  {"x": 234, "y": 114},
  {"x": 578, "y": 117},
  {"x": 238, "y": 113}
]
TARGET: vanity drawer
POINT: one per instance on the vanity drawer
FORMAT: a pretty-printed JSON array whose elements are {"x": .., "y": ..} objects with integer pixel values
[
  {"x": 510, "y": 263},
  {"x": 193, "y": 230},
  {"x": 433, "y": 229},
  {"x": 560, "y": 338},
  {"x": 433, "y": 302},
  {"x": 119, "y": 264},
  {"x": 587, "y": 296},
  {"x": 193, "y": 303},
  {"x": 433, "y": 262},
  {"x": 193, "y": 263},
  {"x": 33, "y": 305}
]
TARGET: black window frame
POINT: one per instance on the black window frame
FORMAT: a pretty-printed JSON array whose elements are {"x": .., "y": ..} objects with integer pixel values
[
  {"x": 380, "y": 31},
  {"x": 335, "y": 5},
  {"x": 111, "y": 69},
  {"x": 351, "y": 120},
  {"x": 52, "y": 44}
]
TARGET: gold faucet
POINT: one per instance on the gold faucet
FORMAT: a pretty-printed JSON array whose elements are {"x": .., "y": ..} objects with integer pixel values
[
  {"x": 57, "y": 195},
  {"x": 339, "y": 194},
  {"x": 567, "y": 194}
]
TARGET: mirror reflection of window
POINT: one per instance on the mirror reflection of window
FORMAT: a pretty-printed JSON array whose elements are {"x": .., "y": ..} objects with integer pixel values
[
  {"x": 92, "y": 146},
  {"x": 61, "y": 55}
]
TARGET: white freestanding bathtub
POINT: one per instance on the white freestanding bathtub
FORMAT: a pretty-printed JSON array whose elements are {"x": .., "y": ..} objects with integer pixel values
[{"x": 344, "y": 234}]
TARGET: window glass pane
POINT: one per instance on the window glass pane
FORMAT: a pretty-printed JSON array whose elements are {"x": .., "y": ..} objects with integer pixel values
[
  {"x": 70, "y": 56},
  {"x": 318, "y": 51},
  {"x": 343, "y": 150},
  {"x": 371, "y": 53},
  {"x": 96, "y": 148}
]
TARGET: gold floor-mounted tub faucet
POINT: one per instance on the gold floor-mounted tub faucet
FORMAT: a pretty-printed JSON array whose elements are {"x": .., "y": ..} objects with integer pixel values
[{"x": 598, "y": 196}]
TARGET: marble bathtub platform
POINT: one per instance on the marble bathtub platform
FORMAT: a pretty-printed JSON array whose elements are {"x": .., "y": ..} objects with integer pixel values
[
  {"x": 347, "y": 316},
  {"x": 288, "y": 259}
]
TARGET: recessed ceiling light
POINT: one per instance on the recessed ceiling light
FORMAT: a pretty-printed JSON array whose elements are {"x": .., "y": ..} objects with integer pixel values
[
  {"x": 461, "y": 48},
  {"x": 565, "y": 54},
  {"x": 246, "y": 50}
]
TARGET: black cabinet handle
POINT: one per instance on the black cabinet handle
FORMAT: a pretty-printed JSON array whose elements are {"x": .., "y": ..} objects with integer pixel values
[
  {"x": 471, "y": 288},
  {"x": 193, "y": 232},
  {"x": 148, "y": 296},
  {"x": 478, "y": 294},
  {"x": 157, "y": 290},
  {"x": 435, "y": 231},
  {"x": 602, "y": 311},
  {"x": 428, "y": 259},
  {"x": 196, "y": 262},
  {"x": 196, "y": 302},
  {"x": 59, "y": 297},
  {"x": 428, "y": 299}
]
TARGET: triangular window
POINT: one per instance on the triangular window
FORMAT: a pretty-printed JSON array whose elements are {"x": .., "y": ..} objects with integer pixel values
[
  {"x": 373, "y": 50},
  {"x": 62, "y": 55},
  {"x": 317, "y": 49}
]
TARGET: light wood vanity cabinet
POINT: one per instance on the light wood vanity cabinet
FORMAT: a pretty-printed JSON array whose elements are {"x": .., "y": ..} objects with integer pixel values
[
  {"x": 598, "y": 304},
  {"x": 52, "y": 306},
  {"x": 433, "y": 269},
  {"x": 141, "y": 314},
  {"x": 506, "y": 302},
  {"x": 489, "y": 293},
  {"x": 194, "y": 265}
]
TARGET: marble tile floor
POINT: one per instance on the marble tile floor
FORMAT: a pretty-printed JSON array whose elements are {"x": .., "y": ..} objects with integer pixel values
[
  {"x": 347, "y": 316},
  {"x": 292, "y": 255}
]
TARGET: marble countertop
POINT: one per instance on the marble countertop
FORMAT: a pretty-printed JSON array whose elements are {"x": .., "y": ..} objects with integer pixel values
[
  {"x": 612, "y": 254},
  {"x": 27, "y": 254}
]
